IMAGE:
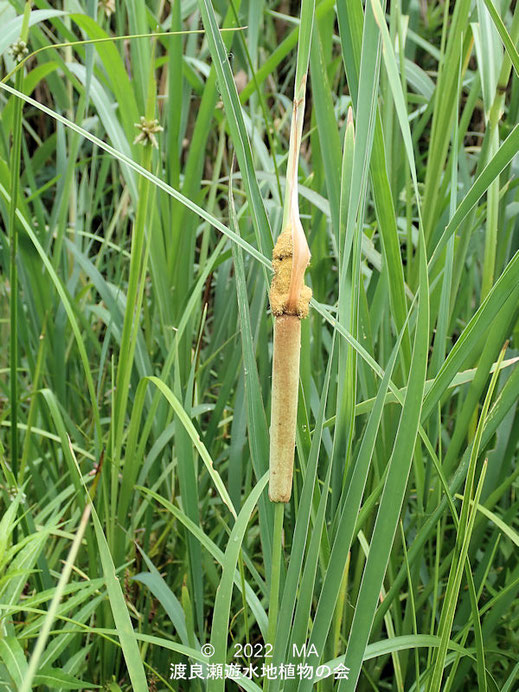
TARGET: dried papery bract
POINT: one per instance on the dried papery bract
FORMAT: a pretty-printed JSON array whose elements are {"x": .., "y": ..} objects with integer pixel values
[{"x": 289, "y": 301}]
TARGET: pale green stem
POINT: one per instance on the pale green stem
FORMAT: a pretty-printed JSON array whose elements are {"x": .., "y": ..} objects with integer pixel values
[
  {"x": 13, "y": 242},
  {"x": 275, "y": 578}
]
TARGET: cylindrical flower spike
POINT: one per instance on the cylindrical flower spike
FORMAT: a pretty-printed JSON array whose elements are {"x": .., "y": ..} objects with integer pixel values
[
  {"x": 289, "y": 303},
  {"x": 285, "y": 382},
  {"x": 289, "y": 300}
]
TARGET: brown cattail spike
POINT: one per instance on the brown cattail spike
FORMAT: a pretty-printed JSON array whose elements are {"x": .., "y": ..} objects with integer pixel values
[{"x": 285, "y": 381}]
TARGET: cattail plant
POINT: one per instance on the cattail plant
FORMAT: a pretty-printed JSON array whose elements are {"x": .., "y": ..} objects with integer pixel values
[{"x": 289, "y": 301}]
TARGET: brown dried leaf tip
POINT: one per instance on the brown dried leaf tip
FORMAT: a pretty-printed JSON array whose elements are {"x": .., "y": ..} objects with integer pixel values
[{"x": 282, "y": 257}]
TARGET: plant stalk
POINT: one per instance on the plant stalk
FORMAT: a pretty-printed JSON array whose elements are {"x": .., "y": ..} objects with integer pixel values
[
  {"x": 13, "y": 248},
  {"x": 275, "y": 579}
]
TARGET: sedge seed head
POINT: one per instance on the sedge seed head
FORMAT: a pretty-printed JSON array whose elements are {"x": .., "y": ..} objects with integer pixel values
[{"x": 148, "y": 130}]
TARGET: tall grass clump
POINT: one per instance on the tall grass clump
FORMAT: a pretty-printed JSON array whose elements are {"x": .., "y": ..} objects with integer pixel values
[{"x": 259, "y": 301}]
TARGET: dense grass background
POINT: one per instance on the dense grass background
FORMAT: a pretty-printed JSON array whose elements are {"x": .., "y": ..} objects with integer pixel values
[{"x": 135, "y": 356}]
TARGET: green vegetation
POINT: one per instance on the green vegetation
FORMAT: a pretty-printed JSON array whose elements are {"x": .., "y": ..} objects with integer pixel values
[{"x": 144, "y": 150}]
